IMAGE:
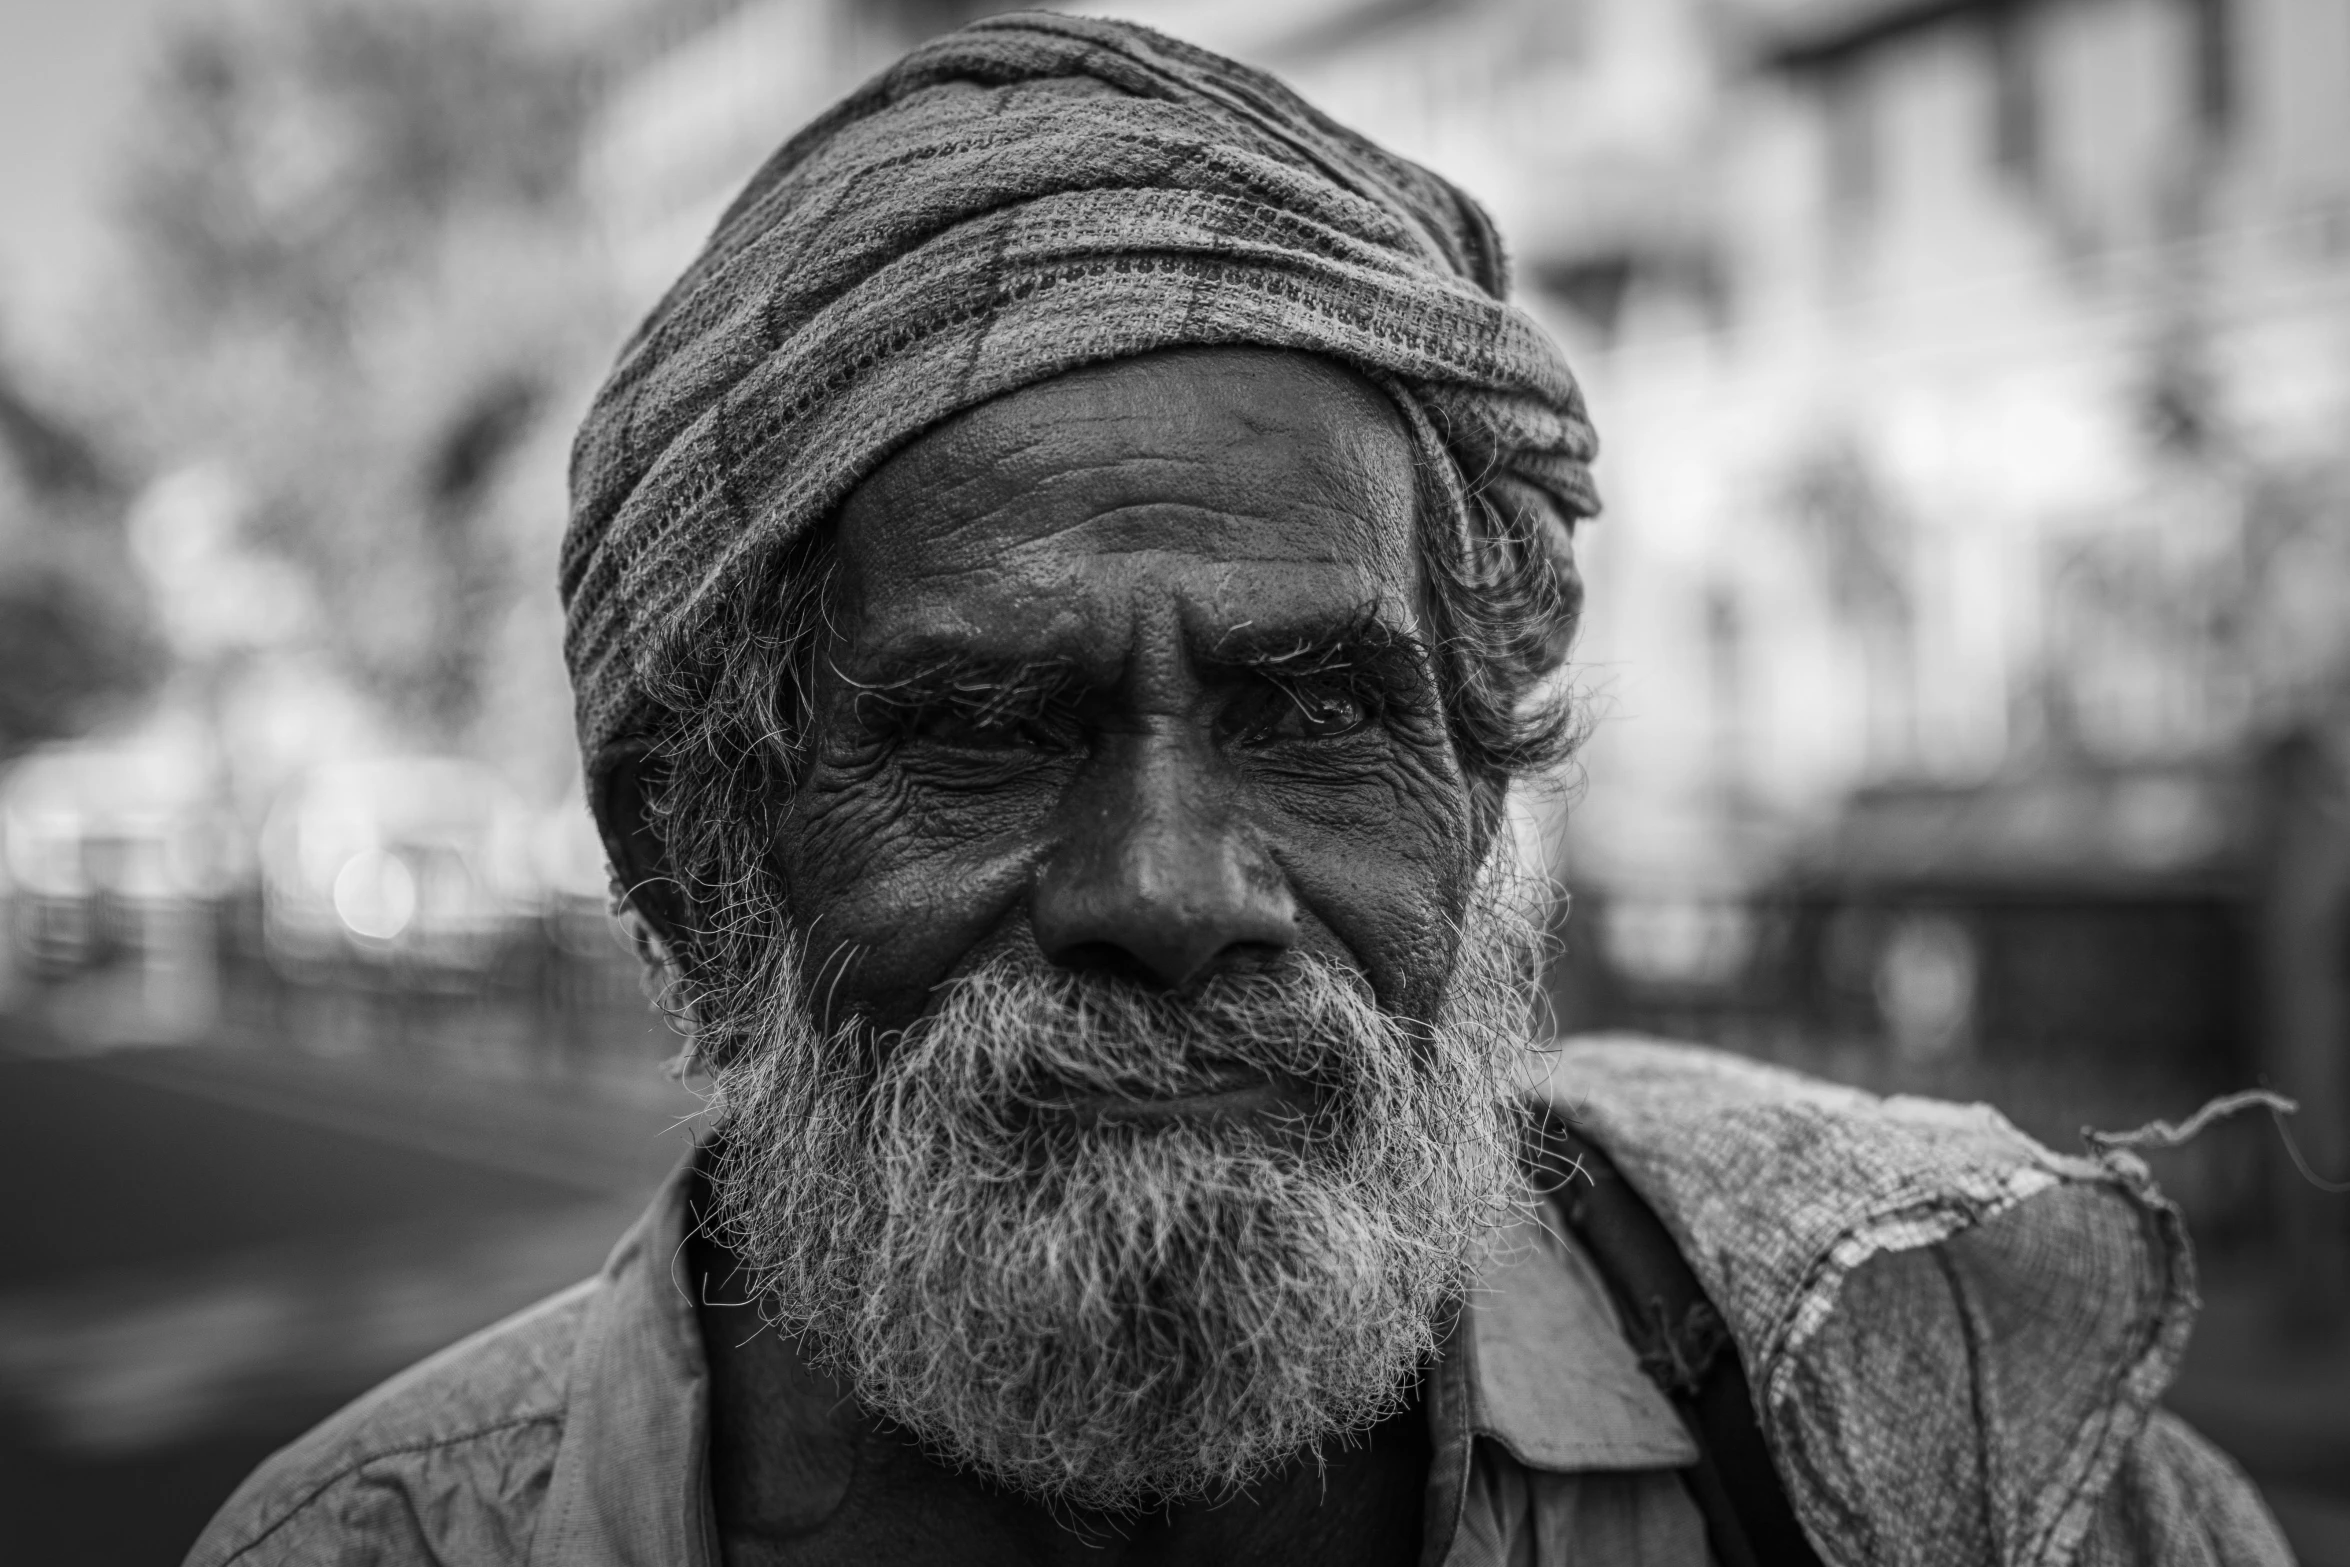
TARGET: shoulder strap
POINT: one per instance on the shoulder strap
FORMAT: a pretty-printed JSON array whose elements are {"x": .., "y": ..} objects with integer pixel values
[{"x": 1682, "y": 1343}]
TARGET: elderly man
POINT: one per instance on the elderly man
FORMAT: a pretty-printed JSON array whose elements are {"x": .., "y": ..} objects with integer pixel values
[{"x": 1059, "y": 593}]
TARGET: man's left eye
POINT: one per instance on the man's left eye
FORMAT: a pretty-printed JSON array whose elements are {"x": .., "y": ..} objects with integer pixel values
[{"x": 1309, "y": 714}]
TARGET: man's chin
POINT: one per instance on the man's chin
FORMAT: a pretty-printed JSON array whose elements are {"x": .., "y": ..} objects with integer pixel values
[
  {"x": 1256, "y": 1104},
  {"x": 1170, "y": 1324}
]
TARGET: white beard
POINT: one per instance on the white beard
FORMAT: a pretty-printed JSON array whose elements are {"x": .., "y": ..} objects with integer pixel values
[{"x": 1112, "y": 1314}]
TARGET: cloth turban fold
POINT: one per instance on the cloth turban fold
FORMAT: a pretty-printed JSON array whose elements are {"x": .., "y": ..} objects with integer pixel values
[{"x": 1006, "y": 203}]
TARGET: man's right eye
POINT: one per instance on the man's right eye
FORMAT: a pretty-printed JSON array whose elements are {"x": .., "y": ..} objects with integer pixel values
[{"x": 982, "y": 732}]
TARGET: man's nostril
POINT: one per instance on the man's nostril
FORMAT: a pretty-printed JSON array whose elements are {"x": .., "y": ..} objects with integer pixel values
[
  {"x": 1110, "y": 960},
  {"x": 1248, "y": 957},
  {"x": 1168, "y": 968}
]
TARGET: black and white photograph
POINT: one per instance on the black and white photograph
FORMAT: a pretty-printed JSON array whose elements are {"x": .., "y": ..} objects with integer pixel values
[{"x": 1161, "y": 783}]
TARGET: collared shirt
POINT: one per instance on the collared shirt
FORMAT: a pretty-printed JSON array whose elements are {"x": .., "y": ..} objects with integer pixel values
[{"x": 1955, "y": 1338}]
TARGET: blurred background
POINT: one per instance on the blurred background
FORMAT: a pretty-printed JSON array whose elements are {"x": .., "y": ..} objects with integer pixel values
[{"x": 1969, "y": 632}]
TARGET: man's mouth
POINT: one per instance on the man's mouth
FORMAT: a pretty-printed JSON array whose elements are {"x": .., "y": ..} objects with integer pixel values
[{"x": 1230, "y": 1095}]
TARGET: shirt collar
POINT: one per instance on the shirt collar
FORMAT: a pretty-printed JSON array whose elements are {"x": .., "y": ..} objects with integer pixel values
[
  {"x": 1556, "y": 1383},
  {"x": 1536, "y": 1363}
]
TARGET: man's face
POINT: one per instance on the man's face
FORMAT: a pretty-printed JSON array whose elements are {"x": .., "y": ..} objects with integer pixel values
[
  {"x": 1125, "y": 1112},
  {"x": 1129, "y": 676}
]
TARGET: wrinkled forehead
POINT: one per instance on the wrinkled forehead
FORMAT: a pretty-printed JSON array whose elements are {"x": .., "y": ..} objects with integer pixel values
[{"x": 1226, "y": 485}]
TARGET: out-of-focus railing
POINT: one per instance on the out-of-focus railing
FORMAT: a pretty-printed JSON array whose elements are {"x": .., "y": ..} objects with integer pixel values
[{"x": 413, "y": 908}]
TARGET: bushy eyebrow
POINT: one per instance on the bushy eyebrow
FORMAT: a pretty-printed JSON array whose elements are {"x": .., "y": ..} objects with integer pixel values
[
  {"x": 985, "y": 687},
  {"x": 1358, "y": 649},
  {"x": 1362, "y": 650}
]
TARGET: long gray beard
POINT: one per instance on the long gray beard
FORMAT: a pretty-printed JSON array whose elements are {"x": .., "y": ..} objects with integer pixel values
[{"x": 1112, "y": 1314}]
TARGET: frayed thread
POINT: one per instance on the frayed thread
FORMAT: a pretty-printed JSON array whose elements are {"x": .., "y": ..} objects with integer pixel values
[{"x": 2161, "y": 1135}]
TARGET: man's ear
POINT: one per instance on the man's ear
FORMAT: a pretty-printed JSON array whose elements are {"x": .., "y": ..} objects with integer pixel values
[{"x": 623, "y": 780}]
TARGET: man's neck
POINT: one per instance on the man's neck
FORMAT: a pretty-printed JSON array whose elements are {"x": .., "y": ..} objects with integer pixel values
[{"x": 800, "y": 1474}]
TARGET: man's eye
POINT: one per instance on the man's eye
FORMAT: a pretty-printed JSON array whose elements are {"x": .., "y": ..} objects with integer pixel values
[
  {"x": 976, "y": 732},
  {"x": 1307, "y": 714}
]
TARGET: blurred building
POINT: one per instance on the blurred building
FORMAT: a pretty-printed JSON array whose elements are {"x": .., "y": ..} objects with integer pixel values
[
  {"x": 1973, "y": 623},
  {"x": 1940, "y": 465}
]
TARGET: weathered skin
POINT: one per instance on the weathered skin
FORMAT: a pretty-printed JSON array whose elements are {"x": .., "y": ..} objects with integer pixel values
[
  {"x": 1164, "y": 808},
  {"x": 1142, "y": 524}
]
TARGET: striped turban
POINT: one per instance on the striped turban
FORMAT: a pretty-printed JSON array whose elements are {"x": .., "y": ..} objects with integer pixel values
[{"x": 1011, "y": 201}]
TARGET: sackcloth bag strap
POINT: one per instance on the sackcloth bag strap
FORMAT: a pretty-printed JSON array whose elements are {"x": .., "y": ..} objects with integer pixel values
[{"x": 1682, "y": 1343}]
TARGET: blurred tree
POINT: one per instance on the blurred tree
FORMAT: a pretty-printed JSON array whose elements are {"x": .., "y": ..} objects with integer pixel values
[
  {"x": 300, "y": 161},
  {"x": 72, "y": 652},
  {"x": 2210, "y": 614},
  {"x": 360, "y": 266},
  {"x": 1857, "y": 533},
  {"x": 51, "y": 460},
  {"x": 74, "y": 643}
]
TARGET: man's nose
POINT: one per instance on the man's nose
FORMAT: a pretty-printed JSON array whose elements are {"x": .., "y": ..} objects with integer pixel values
[{"x": 1159, "y": 880}]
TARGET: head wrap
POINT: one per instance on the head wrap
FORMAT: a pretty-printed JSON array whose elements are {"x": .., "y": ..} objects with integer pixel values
[{"x": 1008, "y": 202}]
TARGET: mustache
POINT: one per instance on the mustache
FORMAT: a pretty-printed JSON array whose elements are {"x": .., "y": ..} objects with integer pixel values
[{"x": 1019, "y": 1032}]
